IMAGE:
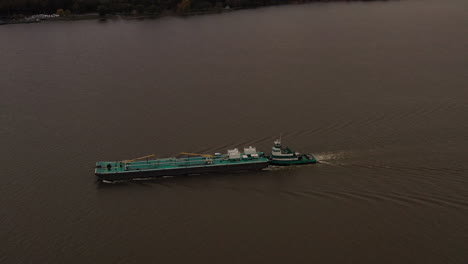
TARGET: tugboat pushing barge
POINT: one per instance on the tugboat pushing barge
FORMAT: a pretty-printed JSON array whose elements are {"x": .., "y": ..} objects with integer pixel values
[
  {"x": 285, "y": 156},
  {"x": 192, "y": 163}
]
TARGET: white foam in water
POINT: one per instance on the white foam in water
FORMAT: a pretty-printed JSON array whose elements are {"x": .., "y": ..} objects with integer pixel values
[
  {"x": 326, "y": 157},
  {"x": 104, "y": 181}
]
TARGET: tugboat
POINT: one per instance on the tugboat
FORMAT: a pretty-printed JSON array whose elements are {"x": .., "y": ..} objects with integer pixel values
[{"x": 285, "y": 156}]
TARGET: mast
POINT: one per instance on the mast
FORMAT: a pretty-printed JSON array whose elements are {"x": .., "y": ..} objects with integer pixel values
[{"x": 278, "y": 142}]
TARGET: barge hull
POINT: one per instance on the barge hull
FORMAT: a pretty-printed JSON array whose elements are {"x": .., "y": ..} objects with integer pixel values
[{"x": 147, "y": 174}]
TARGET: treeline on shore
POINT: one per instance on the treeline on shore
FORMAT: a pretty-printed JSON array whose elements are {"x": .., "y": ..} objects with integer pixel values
[{"x": 13, "y": 8}]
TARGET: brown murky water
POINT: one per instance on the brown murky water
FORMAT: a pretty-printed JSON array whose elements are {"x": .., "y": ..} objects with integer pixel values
[{"x": 378, "y": 91}]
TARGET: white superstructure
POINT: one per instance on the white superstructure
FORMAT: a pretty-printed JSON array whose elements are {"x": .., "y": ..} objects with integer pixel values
[
  {"x": 250, "y": 150},
  {"x": 234, "y": 153}
]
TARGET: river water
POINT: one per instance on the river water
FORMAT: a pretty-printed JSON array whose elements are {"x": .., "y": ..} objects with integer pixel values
[{"x": 377, "y": 91}]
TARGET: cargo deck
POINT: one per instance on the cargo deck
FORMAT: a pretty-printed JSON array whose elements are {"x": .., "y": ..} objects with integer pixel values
[{"x": 201, "y": 163}]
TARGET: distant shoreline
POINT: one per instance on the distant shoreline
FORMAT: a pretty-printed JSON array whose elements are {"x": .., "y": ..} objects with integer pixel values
[
  {"x": 95, "y": 16},
  {"x": 127, "y": 16}
]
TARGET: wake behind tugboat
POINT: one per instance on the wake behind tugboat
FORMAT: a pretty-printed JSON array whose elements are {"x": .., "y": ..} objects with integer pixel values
[{"x": 192, "y": 163}]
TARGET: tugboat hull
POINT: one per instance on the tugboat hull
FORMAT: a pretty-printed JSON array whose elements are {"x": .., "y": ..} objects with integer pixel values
[
  {"x": 285, "y": 156},
  {"x": 292, "y": 162}
]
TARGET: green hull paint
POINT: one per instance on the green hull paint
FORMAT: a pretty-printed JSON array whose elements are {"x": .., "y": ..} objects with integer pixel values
[
  {"x": 302, "y": 161},
  {"x": 113, "y": 167}
]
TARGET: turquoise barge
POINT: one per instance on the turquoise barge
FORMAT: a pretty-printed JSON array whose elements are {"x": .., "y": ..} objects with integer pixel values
[{"x": 185, "y": 164}]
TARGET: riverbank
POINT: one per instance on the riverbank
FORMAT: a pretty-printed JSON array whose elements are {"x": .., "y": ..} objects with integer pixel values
[
  {"x": 28, "y": 20},
  {"x": 19, "y": 19},
  {"x": 95, "y": 16}
]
